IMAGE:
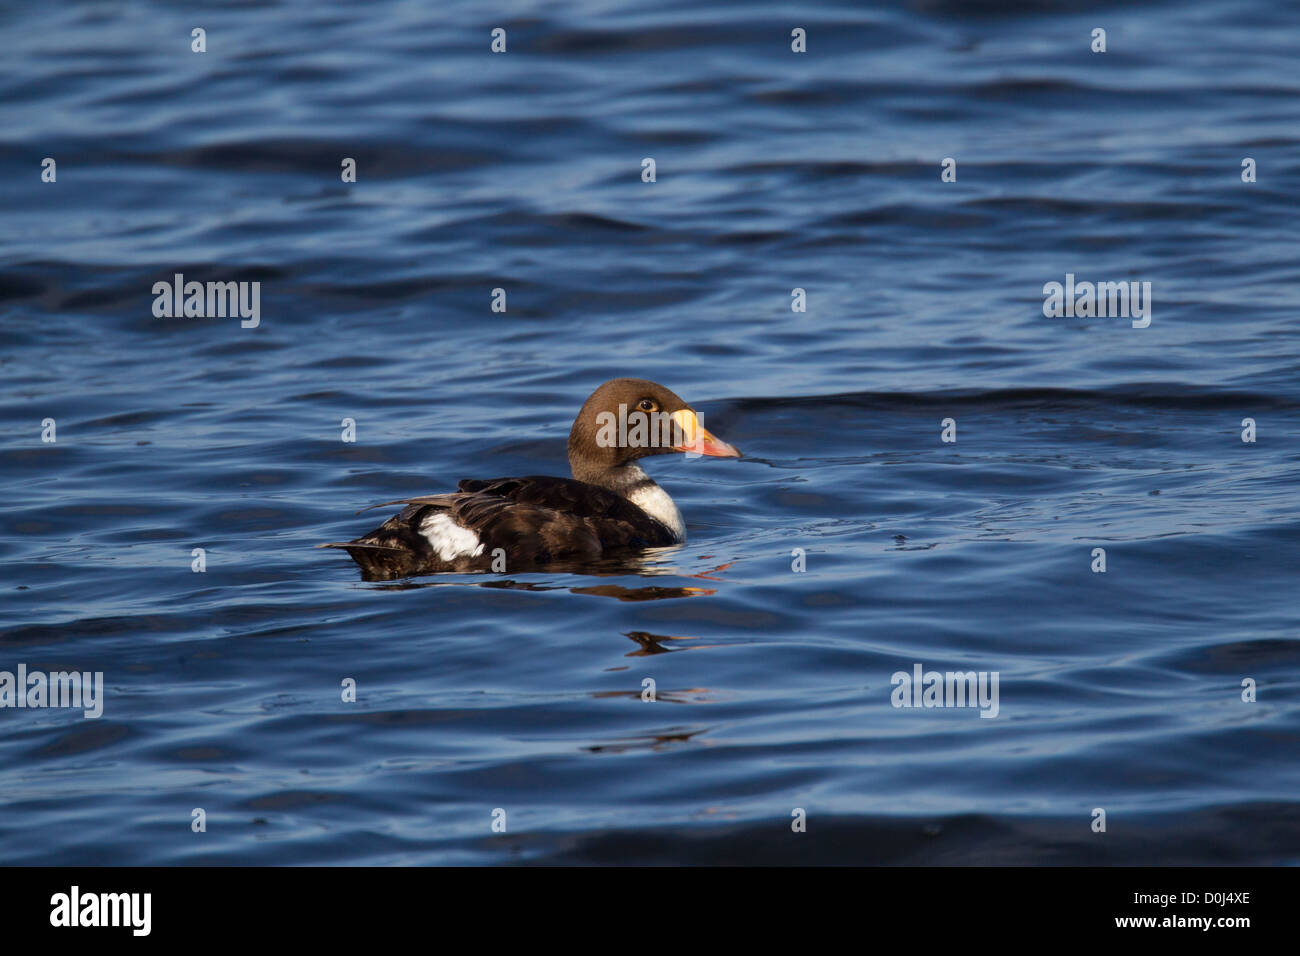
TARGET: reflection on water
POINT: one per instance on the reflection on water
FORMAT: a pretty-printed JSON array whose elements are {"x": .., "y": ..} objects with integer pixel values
[
  {"x": 643, "y": 594},
  {"x": 650, "y": 643},
  {"x": 655, "y": 742},
  {"x": 617, "y": 591},
  {"x": 644, "y": 564}
]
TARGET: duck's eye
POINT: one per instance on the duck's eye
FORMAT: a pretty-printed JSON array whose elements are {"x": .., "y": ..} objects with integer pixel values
[{"x": 646, "y": 405}]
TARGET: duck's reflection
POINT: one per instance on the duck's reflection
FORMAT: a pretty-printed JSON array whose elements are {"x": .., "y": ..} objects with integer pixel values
[
  {"x": 644, "y": 565},
  {"x": 653, "y": 643},
  {"x": 642, "y": 594},
  {"x": 658, "y": 741}
]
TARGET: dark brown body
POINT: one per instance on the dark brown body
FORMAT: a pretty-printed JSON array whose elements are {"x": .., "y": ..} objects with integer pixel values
[{"x": 522, "y": 523}]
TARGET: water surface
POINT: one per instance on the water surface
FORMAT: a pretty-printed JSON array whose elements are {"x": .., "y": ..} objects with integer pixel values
[{"x": 775, "y": 171}]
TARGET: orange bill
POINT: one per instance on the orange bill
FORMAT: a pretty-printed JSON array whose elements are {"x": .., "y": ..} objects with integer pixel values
[{"x": 698, "y": 440}]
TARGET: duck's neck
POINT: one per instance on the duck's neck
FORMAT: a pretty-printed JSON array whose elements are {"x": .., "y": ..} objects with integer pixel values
[{"x": 640, "y": 489}]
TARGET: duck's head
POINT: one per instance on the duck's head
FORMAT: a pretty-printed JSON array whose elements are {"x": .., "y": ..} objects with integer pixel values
[{"x": 630, "y": 418}]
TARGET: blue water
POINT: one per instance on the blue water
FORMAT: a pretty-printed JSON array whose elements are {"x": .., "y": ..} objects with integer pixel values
[{"x": 774, "y": 171}]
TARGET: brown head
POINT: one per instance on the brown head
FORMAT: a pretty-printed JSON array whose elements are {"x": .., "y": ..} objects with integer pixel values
[{"x": 630, "y": 418}]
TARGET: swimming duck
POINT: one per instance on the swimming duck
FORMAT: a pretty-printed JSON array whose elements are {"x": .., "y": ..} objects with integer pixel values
[{"x": 609, "y": 505}]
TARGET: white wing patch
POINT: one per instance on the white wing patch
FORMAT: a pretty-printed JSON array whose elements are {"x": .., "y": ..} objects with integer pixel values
[{"x": 450, "y": 540}]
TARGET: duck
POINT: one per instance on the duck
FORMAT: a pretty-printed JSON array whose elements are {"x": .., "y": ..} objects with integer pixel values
[{"x": 610, "y": 506}]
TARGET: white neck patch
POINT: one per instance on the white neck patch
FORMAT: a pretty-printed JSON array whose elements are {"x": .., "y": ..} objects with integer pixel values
[{"x": 657, "y": 503}]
